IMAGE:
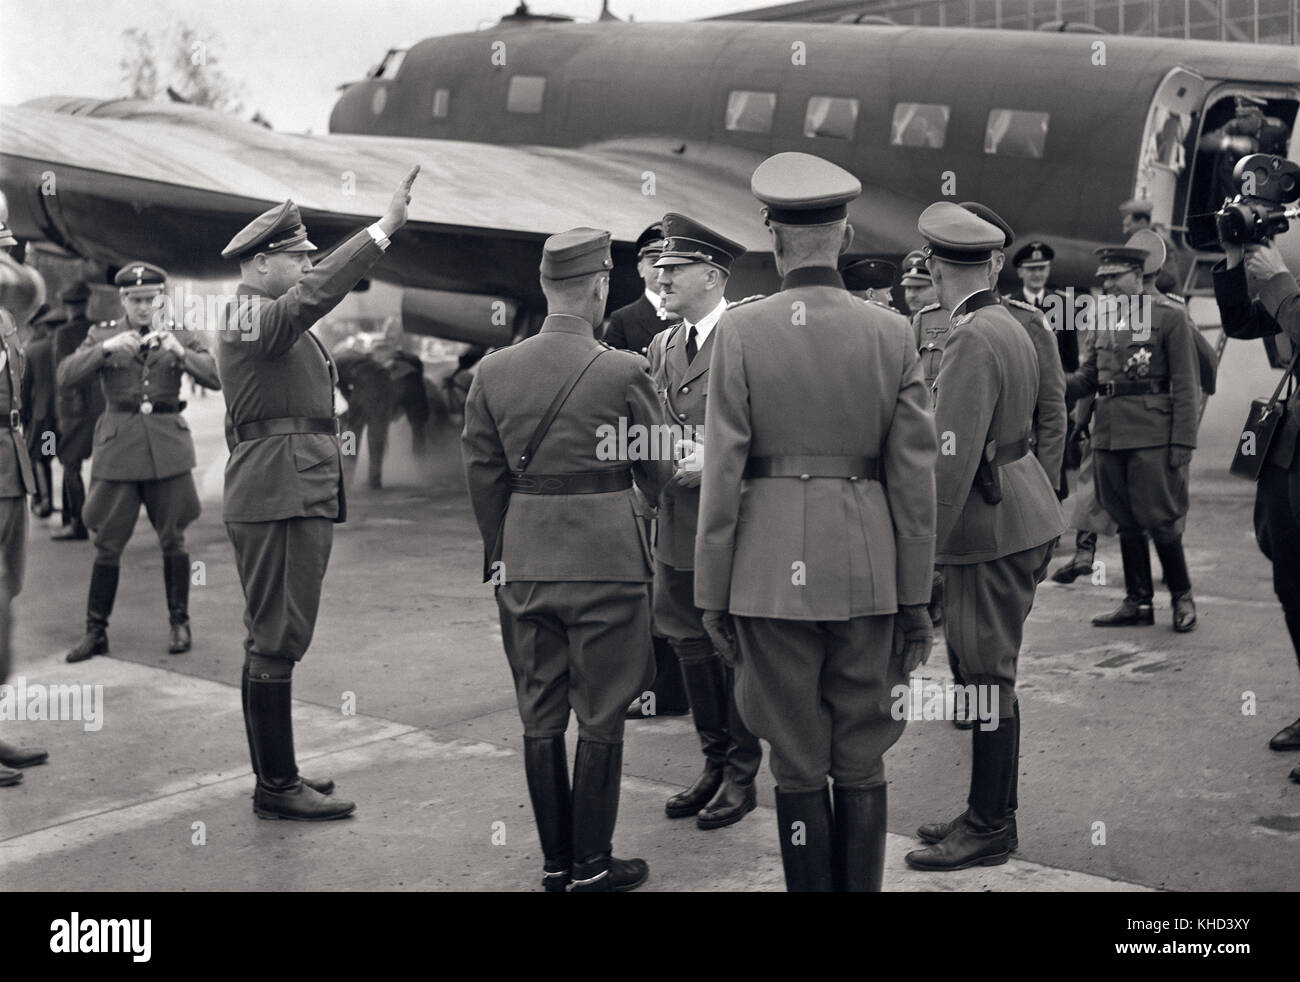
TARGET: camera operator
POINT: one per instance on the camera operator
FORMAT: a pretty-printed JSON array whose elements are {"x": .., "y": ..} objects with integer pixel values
[{"x": 1274, "y": 311}]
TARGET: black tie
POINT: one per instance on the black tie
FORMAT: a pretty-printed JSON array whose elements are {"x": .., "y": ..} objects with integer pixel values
[{"x": 691, "y": 347}]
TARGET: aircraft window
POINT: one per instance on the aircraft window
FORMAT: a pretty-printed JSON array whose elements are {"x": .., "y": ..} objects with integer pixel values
[
  {"x": 441, "y": 103},
  {"x": 1016, "y": 133},
  {"x": 750, "y": 112},
  {"x": 526, "y": 94},
  {"x": 919, "y": 124},
  {"x": 391, "y": 63},
  {"x": 831, "y": 116}
]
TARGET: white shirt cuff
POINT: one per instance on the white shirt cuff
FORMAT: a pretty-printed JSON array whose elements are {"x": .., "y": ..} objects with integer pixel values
[{"x": 378, "y": 235}]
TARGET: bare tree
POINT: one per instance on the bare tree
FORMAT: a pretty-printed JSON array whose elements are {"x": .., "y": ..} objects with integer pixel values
[{"x": 180, "y": 63}]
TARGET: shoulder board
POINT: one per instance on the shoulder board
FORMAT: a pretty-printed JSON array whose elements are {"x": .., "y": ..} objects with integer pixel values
[
  {"x": 737, "y": 303},
  {"x": 882, "y": 306},
  {"x": 1165, "y": 301},
  {"x": 965, "y": 318},
  {"x": 1022, "y": 305},
  {"x": 604, "y": 345},
  {"x": 104, "y": 324},
  {"x": 929, "y": 307},
  {"x": 1181, "y": 301}
]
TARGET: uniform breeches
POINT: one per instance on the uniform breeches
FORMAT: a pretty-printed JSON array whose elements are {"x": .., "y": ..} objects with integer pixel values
[
  {"x": 675, "y": 615},
  {"x": 984, "y": 611},
  {"x": 281, "y": 568},
  {"x": 112, "y": 507},
  {"x": 820, "y": 692},
  {"x": 1141, "y": 492},
  {"x": 580, "y": 646}
]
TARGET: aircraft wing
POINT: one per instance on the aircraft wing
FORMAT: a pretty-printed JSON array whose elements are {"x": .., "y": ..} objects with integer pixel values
[{"x": 171, "y": 183}]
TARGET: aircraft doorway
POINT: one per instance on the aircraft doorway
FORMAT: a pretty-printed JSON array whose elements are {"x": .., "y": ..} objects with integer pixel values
[{"x": 1237, "y": 121}]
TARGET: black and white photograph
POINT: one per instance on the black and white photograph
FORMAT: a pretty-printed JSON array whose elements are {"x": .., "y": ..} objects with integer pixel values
[{"x": 673, "y": 446}]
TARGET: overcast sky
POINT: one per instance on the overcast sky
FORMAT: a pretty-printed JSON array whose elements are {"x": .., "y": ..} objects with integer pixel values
[{"x": 290, "y": 54}]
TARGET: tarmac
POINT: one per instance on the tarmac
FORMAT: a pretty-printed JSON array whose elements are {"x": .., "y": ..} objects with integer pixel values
[{"x": 1144, "y": 753}]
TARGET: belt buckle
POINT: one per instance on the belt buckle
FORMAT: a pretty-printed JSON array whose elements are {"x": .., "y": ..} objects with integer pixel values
[
  {"x": 14, "y": 422},
  {"x": 1107, "y": 389},
  {"x": 146, "y": 407}
]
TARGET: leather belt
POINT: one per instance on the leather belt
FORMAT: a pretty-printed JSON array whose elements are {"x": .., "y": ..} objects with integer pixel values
[
  {"x": 285, "y": 426},
  {"x": 807, "y": 466},
  {"x": 1124, "y": 387},
  {"x": 583, "y": 482},
  {"x": 1007, "y": 452},
  {"x": 154, "y": 407},
  {"x": 11, "y": 422}
]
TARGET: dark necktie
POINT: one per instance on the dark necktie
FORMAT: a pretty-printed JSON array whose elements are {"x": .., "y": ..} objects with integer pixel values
[{"x": 691, "y": 347}]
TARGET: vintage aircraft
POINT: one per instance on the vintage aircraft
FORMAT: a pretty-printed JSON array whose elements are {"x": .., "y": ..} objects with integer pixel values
[{"x": 538, "y": 124}]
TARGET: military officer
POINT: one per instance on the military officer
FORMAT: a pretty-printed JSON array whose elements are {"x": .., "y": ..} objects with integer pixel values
[
  {"x": 871, "y": 280},
  {"x": 20, "y": 293},
  {"x": 693, "y": 271},
  {"x": 284, "y": 480},
  {"x": 1144, "y": 375},
  {"x": 918, "y": 289},
  {"x": 143, "y": 452},
  {"x": 1135, "y": 216},
  {"x": 41, "y": 422},
  {"x": 566, "y": 552},
  {"x": 817, "y": 412},
  {"x": 631, "y": 328},
  {"x": 1033, "y": 264},
  {"x": 78, "y": 409},
  {"x": 997, "y": 519}
]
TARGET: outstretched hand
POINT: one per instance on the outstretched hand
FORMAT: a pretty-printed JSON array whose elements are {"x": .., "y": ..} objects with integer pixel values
[{"x": 395, "y": 217}]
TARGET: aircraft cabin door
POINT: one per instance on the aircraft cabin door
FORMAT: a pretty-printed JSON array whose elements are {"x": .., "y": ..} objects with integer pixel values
[{"x": 1163, "y": 162}]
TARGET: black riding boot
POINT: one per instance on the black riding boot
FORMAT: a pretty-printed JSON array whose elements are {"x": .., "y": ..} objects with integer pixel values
[
  {"x": 706, "y": 688},
  {"x": 1136, "y": 608},
  {"x": 807, "y": 832},
  {"x": 546, "y": 766},
  {"x": 982, "y": 835},
  {"x": 322, "y": 785},
  {"x": 176, "y": 580},
  {"x": 597, "y": 768},
  {"x": 1179, "y": 582},
  {"x": 670, "y": 693},
  {"x": 99, "y": 607},
  {"x": 858, "y": 865},
  {"x": 74, "y": 497},
  {"x": 1085, "y": 551},
  {"x": 737, "y": 796},
  {"x": 280, "y": 792}
]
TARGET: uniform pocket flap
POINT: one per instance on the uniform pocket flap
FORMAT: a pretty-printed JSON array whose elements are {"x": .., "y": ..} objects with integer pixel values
[
  {"x": 309, "y": 453},
  {"x": 1163, "y": 402}
]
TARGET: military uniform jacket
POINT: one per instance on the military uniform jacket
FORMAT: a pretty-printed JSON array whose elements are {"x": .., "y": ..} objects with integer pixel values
[
  {"x": 135, "y": 446},
  {"x": 1276, "y": 311},
  {"x": 931, "y": 325},
  {"x": 987, "y": 390},
  {"x": 16, "y": 477},
  {"x": 1130, "y": 422},
  {"x": 811, "y": 370},
  {"x": 1066, "y": 339},
  {"x": 75, "y": 402},
  {"x": 38, "y": 391},
  {"x": 269, "y": 370},
  {"x": 1047, "y": 436},
  {"x": 560, "y": 537},
  {"x": 684, "y": 389},
  {"x": 632, "y": 327}
]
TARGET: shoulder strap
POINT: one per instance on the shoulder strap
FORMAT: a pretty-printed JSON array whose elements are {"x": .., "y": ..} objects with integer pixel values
[
  {"x": 1286, "y": 377},
  {"x": 553, "y": 410}
]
